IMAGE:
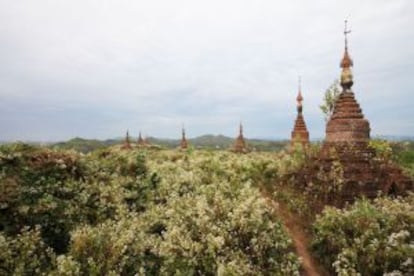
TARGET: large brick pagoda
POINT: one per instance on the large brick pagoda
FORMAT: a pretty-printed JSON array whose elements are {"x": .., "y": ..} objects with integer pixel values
[
  {"x": 347, "y": 141},
  {"x": 347, "y": 167},
  {"x": 300, "y": 134},
  {"x": 347, "y": 125}
]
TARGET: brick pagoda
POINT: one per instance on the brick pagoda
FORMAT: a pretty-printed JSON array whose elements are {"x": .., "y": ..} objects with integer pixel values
[
  {"x": 141, "y": 142},
  {"x": 300, "y": 134},
  {"x": 240, "y": 145},
  {"x": 127, "y": 142},
  {"x": 346, "y": 155},
  {"x": 347, "y": 141},
  {"x": 347, "y": 126},
  {"x": 184, "y": 142}
]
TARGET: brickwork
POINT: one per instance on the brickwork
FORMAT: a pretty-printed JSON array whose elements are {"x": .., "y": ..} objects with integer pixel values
[{"x": 347, "y": 123}]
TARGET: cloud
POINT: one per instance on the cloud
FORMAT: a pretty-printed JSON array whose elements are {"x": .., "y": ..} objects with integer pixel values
[{"x": 94, "y": 68}]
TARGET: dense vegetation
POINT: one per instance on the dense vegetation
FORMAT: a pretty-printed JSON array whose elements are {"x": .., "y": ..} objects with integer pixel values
[
  {"x": 403, "y": 153},
  {"x": 193, "y": 212},
  {"x": 369, "y": 238},
  {"x": 126, "y": 212}
]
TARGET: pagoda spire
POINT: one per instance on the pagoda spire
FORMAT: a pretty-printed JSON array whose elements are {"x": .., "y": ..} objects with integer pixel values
[
  {"x": 240, "y": 144},
  {"x": 299, "y": 98},
  {"x": 346, "y": 64},
  {"x": 183, "y": 143},
  {"x": 127, "y": 142},
  {"x": 300, "y": 134},
  {"x": 141, "y": 141},
  {"x": 241, "y": 130}
]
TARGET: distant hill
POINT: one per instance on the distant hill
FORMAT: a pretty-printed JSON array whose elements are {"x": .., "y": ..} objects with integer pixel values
[
  {"x": 208, "y": 141},
  {"x": 204, "y": 141},
  {"x": 212, "y": 141},
  {"x": 396, "y": 138},
  {"x": 85, "y": 145}
]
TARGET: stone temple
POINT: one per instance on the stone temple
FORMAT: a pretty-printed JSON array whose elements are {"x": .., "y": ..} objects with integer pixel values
[
  {"x": 300, "y": 134},
  {"x": 347, "y": 141}
]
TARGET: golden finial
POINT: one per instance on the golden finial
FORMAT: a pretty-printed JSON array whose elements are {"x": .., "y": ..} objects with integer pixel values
[
  {"x": 299, "y": 98},
  {"x": 346, "y": 61}
]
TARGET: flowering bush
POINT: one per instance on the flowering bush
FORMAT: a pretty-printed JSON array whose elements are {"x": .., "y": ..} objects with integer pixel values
[
  {"x": 152, "y": 212},
  {"x": 41, "y": 187},
  {"x": 367, "y": 238},
  {"x": 25, "y": 254},
  {"x": 115, "y": 212}
]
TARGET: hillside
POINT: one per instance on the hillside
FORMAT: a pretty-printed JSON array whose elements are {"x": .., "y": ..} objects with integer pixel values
[
  {"x": 212, "y": 142},
  {"x": 84, "y": 145}
]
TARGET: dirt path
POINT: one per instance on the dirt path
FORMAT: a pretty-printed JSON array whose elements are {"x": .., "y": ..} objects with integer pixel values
[{"x": 292, "y": 224}]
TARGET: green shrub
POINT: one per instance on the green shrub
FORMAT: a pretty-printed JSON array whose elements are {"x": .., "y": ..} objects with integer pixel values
[
  {"x": 369, "y": 238},
  {"x": 115, "y": 212},
  {"x": 25, "y": 254}
]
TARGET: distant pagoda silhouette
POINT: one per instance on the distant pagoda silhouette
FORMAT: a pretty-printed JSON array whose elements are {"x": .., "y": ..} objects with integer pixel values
[
  {"x": 240, "y": 145},
  {"x": 141, "y": 142},
  {"x": 347, "y": 141},
  {"x": 300, "y": 134},
  {"x": 184, "y": 142},
  {"x": 127, "y": 142}
]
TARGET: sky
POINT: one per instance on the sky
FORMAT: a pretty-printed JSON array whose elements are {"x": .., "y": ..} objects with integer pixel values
[{"x": 94, "y": 69}]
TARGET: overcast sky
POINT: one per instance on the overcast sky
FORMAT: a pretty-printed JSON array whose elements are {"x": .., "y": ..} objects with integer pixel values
[{"x": 96, "y": 68}]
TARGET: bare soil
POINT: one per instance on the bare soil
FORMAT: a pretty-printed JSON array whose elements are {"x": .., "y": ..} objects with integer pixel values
[{"x": 294, "y": 227}]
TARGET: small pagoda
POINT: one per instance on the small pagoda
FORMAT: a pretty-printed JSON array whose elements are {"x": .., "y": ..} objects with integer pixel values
[
  {"x": 127, "y": 142},
  {"x": 240, "y": 145},
  {"x": 184, "y": 142},
  {"x": 300, "y": 134}
]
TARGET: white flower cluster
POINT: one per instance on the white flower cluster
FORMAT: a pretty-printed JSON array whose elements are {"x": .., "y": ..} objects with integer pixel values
[
  {"x": 203, "y": 216},
  {"x": 368, "y": 238}
]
